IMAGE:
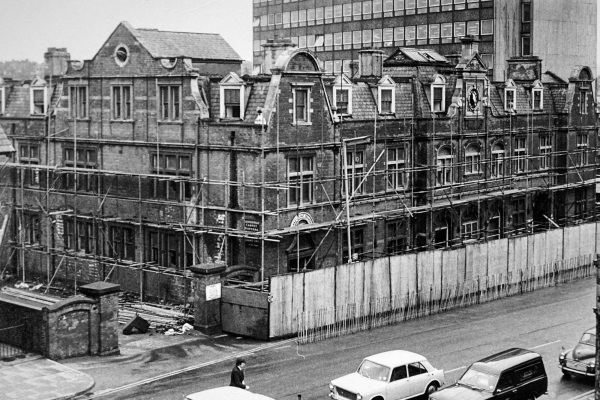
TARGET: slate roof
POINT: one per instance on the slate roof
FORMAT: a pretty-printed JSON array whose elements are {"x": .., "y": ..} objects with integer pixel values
[
  {"x": 166, "y": 44},
  {"x": 258, "y": 96},
  {"x": 404, "y": 104},
  {"x": 363, "y": 103},
  {"x": 6, "y": 146},
  {"x": 18, "y": 103},
  {"x": 559, "y": 97},
  {"x": 554, "y": 100}
]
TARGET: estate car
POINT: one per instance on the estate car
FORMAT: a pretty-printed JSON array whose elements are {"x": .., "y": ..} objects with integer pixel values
[
  {"x": 392, "y": 375},
  {"x": 515, "y": 374}
]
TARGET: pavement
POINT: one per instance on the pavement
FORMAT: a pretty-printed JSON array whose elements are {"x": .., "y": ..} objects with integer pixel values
[
  {"x": 144, "y": 358},
  {"x": 36, "y": 378}
]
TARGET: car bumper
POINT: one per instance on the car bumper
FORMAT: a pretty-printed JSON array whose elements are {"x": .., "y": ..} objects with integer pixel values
[
  {"x": 577, "y": 369},
  {"x": 338, "y": 397}
]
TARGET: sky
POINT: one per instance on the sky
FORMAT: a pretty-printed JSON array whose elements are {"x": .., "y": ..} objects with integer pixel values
[{"x": 30, "y": 27}]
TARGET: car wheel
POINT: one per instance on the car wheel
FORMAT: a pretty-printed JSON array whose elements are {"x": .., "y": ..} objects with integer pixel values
[
  {"x": 432, "y": 387},
  {"x": 566, "y": 374}
]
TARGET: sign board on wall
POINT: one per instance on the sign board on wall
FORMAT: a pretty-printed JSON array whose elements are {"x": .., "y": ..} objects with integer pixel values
[{"x": 213, "y": 292}]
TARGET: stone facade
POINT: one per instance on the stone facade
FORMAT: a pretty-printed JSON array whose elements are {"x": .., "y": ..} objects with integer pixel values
[{"x": 152, "y": 163}]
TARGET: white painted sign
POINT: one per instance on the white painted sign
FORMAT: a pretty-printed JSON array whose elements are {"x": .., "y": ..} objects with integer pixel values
[{"x": 213, "y": 292}]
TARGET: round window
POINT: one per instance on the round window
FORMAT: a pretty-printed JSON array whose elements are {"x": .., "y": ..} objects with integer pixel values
[{"x": 121, "y": 55}]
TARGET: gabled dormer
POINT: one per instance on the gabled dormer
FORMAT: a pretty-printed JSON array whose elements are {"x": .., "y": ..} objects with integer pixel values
[
  {"x": 537, "y": 96},
  {"x": 38, "y": 97},
  {"x": 473, "y": 64},
  {"x": 232, "y": 97},
  {"x": 510, "y": 96},
  {"x": 386, "y": 95},
  {"x": 342, "y": 95}
]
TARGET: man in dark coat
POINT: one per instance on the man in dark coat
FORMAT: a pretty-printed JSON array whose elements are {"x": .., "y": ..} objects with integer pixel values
[{"x": 237, "y": 374}]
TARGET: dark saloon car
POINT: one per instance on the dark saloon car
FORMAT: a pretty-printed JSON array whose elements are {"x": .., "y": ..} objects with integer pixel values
[
  {"x": 581, "y": 359},
  {"x": 514, "y": 374}
]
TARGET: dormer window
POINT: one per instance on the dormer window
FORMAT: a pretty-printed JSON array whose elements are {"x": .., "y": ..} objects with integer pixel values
[
  {"x": 342, "y": 100},
  {"x": 583, "y": 95},
  {"x": 438, "y": 94},
  {"x": 301, "y": 104},
  {"x": 231, "y": 103},
  {"x": 232, "y": 97},
  {"x": 386, "y": 99},
  {"x": 386, "y": 95},
  {"x": 38, "y": 97},
  {"x": 342, "y": 95},
  {"x": 301, "y": 99},
  {"x": 2, "y": 100},
  {"x": 510, "y": 96},
  {"x": 537, "y": 96}
]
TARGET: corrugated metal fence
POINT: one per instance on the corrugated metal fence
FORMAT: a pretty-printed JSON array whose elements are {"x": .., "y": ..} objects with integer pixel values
[{"x": 351, "y": 297}]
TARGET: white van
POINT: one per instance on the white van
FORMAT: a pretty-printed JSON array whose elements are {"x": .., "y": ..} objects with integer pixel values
[{"x": 227, "y": 393}]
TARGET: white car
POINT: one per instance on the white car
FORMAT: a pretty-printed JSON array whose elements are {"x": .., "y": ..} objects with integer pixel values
[
  {"x": 392, "y": 375},
  {"x": 226, "y": 393}
]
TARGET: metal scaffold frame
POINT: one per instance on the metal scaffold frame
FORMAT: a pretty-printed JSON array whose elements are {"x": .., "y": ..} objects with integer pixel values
[{"x": 397, "y": 204}]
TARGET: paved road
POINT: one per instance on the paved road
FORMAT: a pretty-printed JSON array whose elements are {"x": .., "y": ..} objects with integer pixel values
[{"x": 544, "y": 320}]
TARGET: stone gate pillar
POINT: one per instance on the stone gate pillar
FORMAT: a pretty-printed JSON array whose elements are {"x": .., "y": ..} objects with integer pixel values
[
  {"x": 107, "y": 297},
  {"x": 207, "y": 296}
]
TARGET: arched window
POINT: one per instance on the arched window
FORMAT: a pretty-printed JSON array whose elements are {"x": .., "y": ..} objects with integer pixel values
[
  {"x": 510, "y": 96},
  {"x": 444, "y": 166},
  {"x": 472, "y": 159},
  {"x": 497, "y": 160},
  {"x": 438, "y": 94}
]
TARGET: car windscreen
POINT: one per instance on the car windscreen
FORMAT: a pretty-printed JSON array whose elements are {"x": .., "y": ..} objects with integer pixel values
[
  {"x": 374, "y": 371},
  {"x": 588, "y": 339},
  {"x": 479, "y": 380}
]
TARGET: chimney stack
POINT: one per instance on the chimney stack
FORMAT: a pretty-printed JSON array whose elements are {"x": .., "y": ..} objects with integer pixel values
[
  {"x": 353, "y": 68},
  {"x": 370, "y": 63},
  {"x": 57, "y": 60},
  {"x": 273, "y": 49},
  {"x": 470, "y": 45}
]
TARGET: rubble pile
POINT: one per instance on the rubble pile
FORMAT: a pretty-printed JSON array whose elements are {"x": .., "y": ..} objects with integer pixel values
[{"x": 167, "y": 319}]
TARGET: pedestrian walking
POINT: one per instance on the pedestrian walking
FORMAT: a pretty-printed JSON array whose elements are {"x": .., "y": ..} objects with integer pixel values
[{"x": 237, "y": 374}]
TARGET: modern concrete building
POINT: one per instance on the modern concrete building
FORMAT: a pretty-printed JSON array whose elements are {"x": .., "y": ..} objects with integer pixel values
[{"x": 560, "y": 32}]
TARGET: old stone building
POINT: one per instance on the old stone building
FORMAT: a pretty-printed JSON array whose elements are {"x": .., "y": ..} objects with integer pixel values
[{"x": 157, "y": 155}]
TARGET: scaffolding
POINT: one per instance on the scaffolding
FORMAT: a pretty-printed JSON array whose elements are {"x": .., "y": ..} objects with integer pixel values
[{"x": 339, "y": 208}]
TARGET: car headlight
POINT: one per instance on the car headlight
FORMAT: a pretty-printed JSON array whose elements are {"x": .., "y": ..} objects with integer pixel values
[
  {"x": 561, "y": 357},
  {"x": 358, "y": 396},
  {"x": 331, "y": 387}
]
